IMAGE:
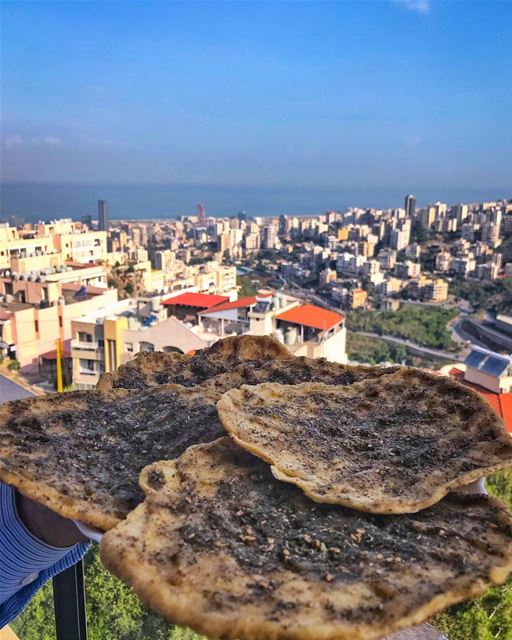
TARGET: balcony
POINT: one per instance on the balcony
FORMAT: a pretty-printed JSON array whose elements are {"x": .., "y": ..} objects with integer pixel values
[
  {"x": 85, "y": 346},
  {"x": 84, "y": 371}
]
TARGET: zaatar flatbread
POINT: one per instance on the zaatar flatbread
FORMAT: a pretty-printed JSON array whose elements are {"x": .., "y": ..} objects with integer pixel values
[
  {"x": 293, "y": 371},
  {"x": 221, "y": 546},
  {"x": 152, "y": 369},
  {"x": 80, "y": 453},
  {"x": 394, "y": 444}
]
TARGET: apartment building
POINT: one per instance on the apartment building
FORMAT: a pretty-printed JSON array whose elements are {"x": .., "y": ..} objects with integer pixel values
[
  {"x": 49, "y": 245},
  {"x": 307, "y": 330},
  {"x": 30, "y": 329},
  {"x": 104, "y": 339},
  {"x": 490, "y": 374},
  {"x": 208, "y": 278}
]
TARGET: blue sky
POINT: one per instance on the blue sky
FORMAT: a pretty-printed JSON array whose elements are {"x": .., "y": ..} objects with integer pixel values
[{"x": 385, "y": 93}]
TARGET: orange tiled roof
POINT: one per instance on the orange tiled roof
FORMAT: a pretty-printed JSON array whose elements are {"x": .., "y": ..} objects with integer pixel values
[
  {"x": 189, "y": 299},
  {"x": 500, "y": 402},
  {"x": 310, "y": 315}
]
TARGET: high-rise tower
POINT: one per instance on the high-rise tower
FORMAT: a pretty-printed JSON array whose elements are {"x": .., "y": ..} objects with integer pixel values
[
  {"x": 410, "y": 205},
  {"x": 102, "y": 215},
  {"x": 201, "y": 214}
]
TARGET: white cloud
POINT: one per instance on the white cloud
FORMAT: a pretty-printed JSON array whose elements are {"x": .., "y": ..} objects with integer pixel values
[
  {"x": 418, "y": 6},
  {"x": 14, "y": 140},
  {"x": 50, "y": 141}
]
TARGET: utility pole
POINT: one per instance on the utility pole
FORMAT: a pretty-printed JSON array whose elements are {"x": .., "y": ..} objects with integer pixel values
[{"x": 58, "y": 351}]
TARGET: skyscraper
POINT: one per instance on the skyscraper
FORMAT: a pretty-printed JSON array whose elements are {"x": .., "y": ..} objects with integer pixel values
[
  {"x": 201, "y": 214},
  {"x": 410, "y": 205},
  {"x": 102, "y": 215}
]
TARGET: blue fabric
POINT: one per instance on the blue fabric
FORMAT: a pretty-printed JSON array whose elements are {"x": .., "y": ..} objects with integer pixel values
[{"x": 22, "y": 555}]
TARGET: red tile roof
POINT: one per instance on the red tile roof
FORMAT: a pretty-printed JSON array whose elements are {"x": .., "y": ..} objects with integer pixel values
[
  {"x": 500, "y": 402},
  {"x": 52, "y": 355},
  {"x": 203, "y": 300},
  {"x": 236, "y": 304},
  {"x": 310, "y": 315}
]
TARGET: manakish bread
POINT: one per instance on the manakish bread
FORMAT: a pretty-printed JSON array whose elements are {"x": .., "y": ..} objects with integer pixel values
[
  {"x": 221, "y": 546},
  {"x": 293, "y": 371},
  {"x": 80, "y": 453},
  {"x": 395, "y": 444},
  {"x": 152, "y": 369}
]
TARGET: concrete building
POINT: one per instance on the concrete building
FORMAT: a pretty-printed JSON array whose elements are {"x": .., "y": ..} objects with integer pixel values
[
  {"x": 358, "y": 298},
  {"x": 305, "y": 329},
  {"x": 269, "y": 238},
  {"x": 436, "y": 291},
  {"x": 187, "y": 306},
  {"x": 326, "y": 276},
  {"x": 105, "y": 339},
  {"x": 490, "y": 374},
  {"x": 28, "y": 330},
  {"x": 410, "y": 206},
  {"x": 103, "y": 224},
  {"x": 49, "y": 246}
]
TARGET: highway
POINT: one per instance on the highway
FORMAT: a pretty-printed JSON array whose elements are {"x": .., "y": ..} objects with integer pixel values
[{"x": 414, "y": 346}]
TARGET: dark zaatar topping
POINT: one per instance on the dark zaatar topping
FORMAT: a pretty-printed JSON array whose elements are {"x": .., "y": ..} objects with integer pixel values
[{"x": 103, "y": 442}]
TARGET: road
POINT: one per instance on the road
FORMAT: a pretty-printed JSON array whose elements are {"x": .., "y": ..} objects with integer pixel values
[
  {"x": 413, "y": 346},
  {"x": 9, "y": 390}
]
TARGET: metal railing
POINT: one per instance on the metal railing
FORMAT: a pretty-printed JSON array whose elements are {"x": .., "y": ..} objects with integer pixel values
[
  {"x": 69, "y": 604},
  {"x": 78, "y": 344}
]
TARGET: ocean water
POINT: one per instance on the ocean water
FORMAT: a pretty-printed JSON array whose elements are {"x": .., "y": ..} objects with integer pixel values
[{"x": 153, "y": 201}]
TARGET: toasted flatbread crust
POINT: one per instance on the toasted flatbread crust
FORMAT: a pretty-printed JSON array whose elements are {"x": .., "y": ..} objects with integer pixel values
[
  {"x": 152, "y": 369},
  {"x": 294, "y": 371},
  {"x": 221, "y": 546},
  {"x": 80, "y": 453},
  {"x": 394, "y": 444}
]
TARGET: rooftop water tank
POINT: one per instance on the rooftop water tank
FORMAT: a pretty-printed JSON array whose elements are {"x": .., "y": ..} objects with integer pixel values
[
  {"x": 279, "y": 336},
  {"x": 291, "y": 336}
]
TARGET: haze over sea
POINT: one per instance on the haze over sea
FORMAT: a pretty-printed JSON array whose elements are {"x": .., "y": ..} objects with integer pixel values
[{"x": 153, "y": 201}]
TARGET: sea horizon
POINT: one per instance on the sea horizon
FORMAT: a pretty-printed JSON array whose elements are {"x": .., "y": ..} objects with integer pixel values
[{"x": 45, "y": 201}]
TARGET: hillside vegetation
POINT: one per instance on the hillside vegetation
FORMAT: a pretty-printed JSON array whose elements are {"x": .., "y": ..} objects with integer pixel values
[
  {"x": 425, "y": 325},
  {"x": 493, "y": 296}
]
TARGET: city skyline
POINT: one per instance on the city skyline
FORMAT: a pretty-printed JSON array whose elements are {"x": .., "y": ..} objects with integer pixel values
[{"x": 406, "y": 94}]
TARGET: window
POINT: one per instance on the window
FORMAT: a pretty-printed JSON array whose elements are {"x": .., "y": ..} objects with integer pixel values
[
  {"x": 60, "y": 322},
  {"x": 128, "y": 346},
  {"x": 36, "y": 323}
]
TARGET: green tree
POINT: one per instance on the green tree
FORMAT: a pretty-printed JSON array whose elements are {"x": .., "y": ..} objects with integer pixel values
[
  {"x": 37, "y": 622},
  {"x": 114, "y": 612},
  {"x": 129, "y": 288},
  {"x": 247, "y": 288},
  {"x": 424, "y": 325}
]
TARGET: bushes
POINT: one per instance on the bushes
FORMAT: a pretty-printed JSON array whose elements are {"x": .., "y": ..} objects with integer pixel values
[
  {"x": 14, "y": 365},
  {"x": 424, "y": 325},
  {"x": 114, "y": 612},
  {"x": 493, "y": 296},
  {"x": 376, "y": 351}
]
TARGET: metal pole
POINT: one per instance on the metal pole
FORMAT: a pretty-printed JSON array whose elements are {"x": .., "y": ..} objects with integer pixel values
[
  {"x": 68, "y": 586},
  {"x": 58, "y": 353},
  {"x": 69, "y": 604}
]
